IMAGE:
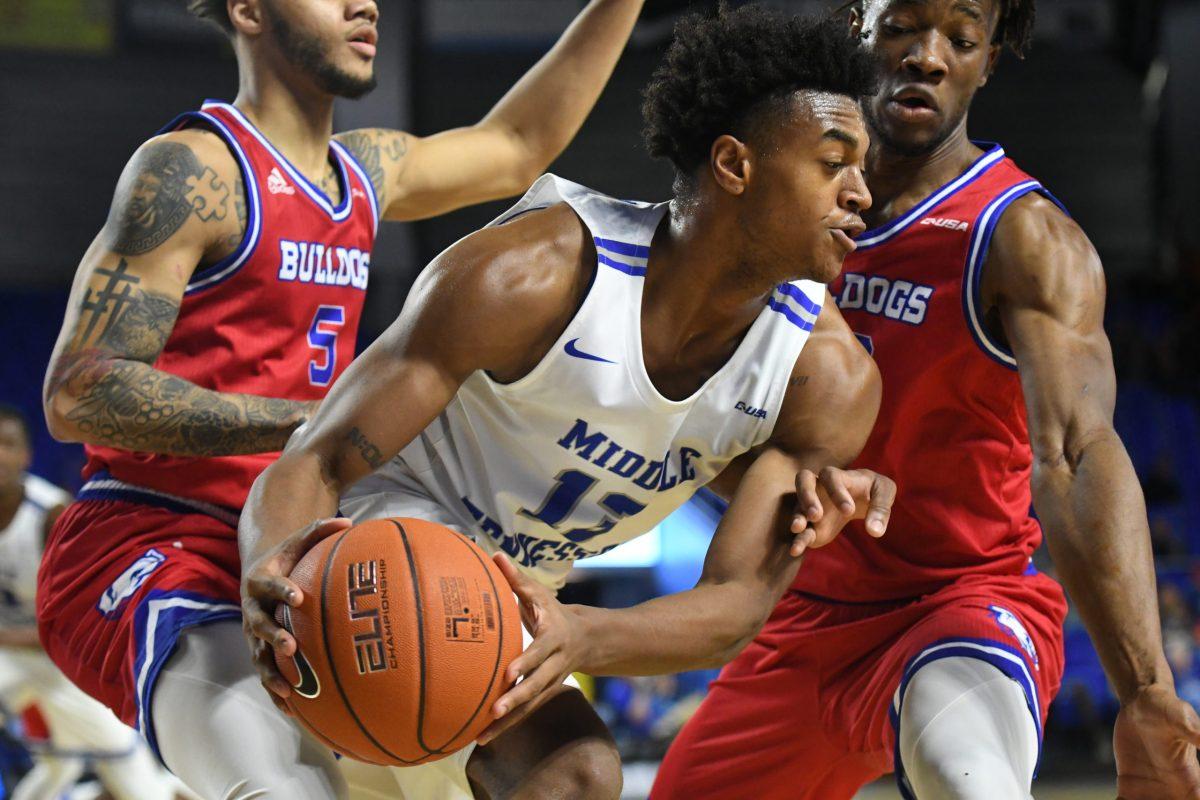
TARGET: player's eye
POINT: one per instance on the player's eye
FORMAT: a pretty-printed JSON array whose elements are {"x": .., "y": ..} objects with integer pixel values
[
  {"x": 891, "y": 29},
  {"x": 964, "y": 44}
]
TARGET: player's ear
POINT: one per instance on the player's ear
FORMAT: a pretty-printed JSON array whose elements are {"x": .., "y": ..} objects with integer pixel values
[
  {"x": 993, "y": 57},
  {"x": 247, "y": 16},
  {"x": 730, "y": 163},
  {"x": 856, "y": 23}
]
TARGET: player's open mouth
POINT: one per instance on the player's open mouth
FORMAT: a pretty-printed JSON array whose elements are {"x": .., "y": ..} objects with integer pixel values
[
  {"x": 913, "y": 104},
  {"x": 364, "y": 41},
  {"x": 843, "y": 239}
]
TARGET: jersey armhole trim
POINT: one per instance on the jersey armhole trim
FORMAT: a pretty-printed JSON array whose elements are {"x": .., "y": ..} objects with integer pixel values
[
  {"x": 229, "y": 266},
  {"x": 981, "y": 240},
  {"x": 357, "y": 167}
]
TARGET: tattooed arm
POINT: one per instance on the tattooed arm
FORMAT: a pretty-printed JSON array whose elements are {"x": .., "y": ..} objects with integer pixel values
[
  {"x": 178, "y": 205},
  {"x": 503, "y": 153}
]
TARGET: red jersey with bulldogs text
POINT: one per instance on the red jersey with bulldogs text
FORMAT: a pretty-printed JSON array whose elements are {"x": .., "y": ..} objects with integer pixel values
[
  {"x": 278, "y": 318},
  {"x": 951, "y": 430}
]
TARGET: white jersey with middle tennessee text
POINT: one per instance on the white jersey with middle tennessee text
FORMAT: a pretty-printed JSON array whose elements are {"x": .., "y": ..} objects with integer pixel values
[
  {"x": 583, "y": 453},
  {"x": 21, "y": 551}
]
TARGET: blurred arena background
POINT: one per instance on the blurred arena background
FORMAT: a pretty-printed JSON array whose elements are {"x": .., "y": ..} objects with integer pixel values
[{"x": 1104, "y": 111}]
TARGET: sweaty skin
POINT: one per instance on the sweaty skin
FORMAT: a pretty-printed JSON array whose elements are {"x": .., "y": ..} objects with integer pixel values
[
  {"x": 1043, "y": 293},
  {"x": 180, "y": 206},
  {"x": 529, "y": 277}
]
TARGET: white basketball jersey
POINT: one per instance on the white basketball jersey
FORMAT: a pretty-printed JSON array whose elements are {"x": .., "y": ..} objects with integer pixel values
[
  {"x": 583, "y": 453},
  {"x": 21, "y": 551}
]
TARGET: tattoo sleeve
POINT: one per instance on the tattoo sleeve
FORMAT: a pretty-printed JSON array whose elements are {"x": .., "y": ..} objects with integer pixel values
[
  {"x": 379, "y": 151},
  {"x": 119, "y": 399}
]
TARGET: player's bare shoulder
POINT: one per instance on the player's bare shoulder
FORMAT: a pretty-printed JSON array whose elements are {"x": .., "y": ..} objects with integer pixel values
[
  {"x": 180, "y": 184},
  {"x": 1041, "y": 258},
  {"x": 510, "y": 290}
]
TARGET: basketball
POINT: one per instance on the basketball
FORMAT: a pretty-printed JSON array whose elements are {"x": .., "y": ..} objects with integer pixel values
[{"x": 404, "y": 634}]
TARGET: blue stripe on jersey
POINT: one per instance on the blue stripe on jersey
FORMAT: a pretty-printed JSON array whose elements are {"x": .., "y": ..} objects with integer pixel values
[
  {"x": 623, "y": 248},
  {"x": 357, "y": 166},
  {"x": 993, "y": 156},
  {"x": 797, "y": 294},
  {"x": 792, "y": 317},
  {"x": 628, "y": 269},
  {"x": 227, "y": 267}
]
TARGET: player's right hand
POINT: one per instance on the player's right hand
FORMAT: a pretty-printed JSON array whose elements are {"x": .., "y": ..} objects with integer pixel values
[
  {"x": 265, "y": 584},
  {"x": 826, "y": 501}
]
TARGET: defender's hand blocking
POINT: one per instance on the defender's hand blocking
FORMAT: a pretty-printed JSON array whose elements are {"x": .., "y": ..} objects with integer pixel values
[
  {"x": 825, "y": 502},
  {"x": 1155, "y": 743},
  {"x": 265, "y": 584},
  {"x": 549, "y": 660}
]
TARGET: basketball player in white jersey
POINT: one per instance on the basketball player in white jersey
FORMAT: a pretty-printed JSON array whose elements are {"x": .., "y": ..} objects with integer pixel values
[
  {"x": 81, "y": 729},
  {"x": 564, "y": 379}
]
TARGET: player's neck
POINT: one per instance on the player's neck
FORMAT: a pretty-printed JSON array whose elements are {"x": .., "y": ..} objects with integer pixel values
[
  {"x": 696, "y": 280},
  {"x": 297, "y": 119},
  {"x": 11, "y": 498},
  {"x": 898, "y": 181}
]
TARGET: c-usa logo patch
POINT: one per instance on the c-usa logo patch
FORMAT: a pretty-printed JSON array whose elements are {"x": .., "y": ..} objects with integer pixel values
[{"x": 1008, "y": 620}]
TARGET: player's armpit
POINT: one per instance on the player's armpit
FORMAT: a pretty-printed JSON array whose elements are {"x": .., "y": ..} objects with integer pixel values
[{"x": 176, "y": 203}]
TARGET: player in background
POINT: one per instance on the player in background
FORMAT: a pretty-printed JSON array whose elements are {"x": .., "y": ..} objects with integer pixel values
[
  {"x": 207, "y": 320},
  {"x": 937, "y": 651},
  {"x": 562, "y": 380},
  {"x": 80, "y": 729}
]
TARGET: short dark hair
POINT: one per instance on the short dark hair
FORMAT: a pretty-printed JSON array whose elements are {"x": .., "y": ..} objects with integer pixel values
[
  {"x": 214, "y": 11},
  {"x": 1014, "y": 28},
  {"x": 11, "y": 412},
  {"x": 725, "y": 67}
]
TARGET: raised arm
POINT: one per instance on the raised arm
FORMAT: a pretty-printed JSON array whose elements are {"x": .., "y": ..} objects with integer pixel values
[
  {"x": 178, "y": 204},
  {"x": 827, "y": 414},
  {"x": 524, "y": 278},
  {"x": 1047, "y": 282},
  {"x": 503, "y": 153}
]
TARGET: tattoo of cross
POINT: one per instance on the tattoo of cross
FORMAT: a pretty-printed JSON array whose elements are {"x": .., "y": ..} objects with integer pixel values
[
  {"x": 112, "y": 298},
  {"x": 208, "y": 195}
]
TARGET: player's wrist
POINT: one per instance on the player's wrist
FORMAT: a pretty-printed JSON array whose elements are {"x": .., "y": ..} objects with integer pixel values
[{"x": 589, "y": 629}]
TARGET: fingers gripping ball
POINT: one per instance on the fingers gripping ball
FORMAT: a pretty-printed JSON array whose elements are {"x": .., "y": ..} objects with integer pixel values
[{"x": 403, "y": 638}]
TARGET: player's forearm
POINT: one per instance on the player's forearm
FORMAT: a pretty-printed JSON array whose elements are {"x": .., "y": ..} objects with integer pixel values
[
  {"x": 128, "y": 404},
  {"x": 701, "y": 628},
  {"x": 290, "y": 494},
  {"x": 568, "y": 80},
  {"x": 24, "y": 637},
  {"x": 1095, "y": 520}
]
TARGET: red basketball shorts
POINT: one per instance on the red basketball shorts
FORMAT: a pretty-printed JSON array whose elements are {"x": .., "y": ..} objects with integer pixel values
[
  {"x": 118, "y": 584},
  {"x": 809, "y": 711}
]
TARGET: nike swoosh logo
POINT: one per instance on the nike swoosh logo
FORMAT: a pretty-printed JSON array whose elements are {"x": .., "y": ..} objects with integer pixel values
[
  {"x": 309, "y": 685},
  {"x": 572, "y": 350}
]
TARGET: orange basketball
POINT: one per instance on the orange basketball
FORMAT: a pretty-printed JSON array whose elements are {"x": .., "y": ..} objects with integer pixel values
[{"x": 404, "y": 634}]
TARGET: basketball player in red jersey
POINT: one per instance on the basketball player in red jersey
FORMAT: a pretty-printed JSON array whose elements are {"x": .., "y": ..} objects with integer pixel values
[
  {"x": 937, "y": 650},
  {"x": 208, "y": 319}
]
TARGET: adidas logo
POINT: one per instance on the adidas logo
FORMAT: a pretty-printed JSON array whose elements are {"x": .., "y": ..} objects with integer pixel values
[{"x": 277, "y": 184}]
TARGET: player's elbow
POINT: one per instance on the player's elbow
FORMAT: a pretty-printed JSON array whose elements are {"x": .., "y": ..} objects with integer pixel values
[{"x": 57, "y": 404}]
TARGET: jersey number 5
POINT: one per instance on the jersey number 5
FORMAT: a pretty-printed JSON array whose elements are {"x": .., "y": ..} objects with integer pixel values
[{"x": 322, "y": 336}]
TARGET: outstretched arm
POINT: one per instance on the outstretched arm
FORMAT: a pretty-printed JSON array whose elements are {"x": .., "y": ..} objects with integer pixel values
[
  {"x": 1048, "y": 284},
  {"x": 826, "y": 417},
  {"x": 503, "y": 153},
  {"x": 177, "y": 203}
]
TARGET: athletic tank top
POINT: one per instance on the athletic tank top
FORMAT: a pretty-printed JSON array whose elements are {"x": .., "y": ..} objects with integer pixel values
[
  {"x": 277, "y": 318},
  {"x": 952, "y": 429},
  {"x": 21, "y": 551},
  {"x": 583, "y": 453}
]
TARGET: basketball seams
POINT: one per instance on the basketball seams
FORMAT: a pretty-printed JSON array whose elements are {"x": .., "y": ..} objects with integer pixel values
[
  {"x": 473, "y": 550},
  {"x": 420, "y": 613},
  {"x": 337, "y": 681}
]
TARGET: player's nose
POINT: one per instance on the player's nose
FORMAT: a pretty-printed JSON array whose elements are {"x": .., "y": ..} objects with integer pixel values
[
  {"x": 924, "y": 57},
  {"x": 364, "y": 9}
]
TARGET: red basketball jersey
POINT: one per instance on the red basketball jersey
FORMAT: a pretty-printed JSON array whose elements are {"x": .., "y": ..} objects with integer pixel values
[
  {"x": 952, "y": 429},
  {"x": 278, "y": 318}
]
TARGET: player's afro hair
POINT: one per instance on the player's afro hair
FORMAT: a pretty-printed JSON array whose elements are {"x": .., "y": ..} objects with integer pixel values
[
  {"x": 10, "y": 412},
  {"x": 214, "y": 11},
  {"x": 725, "y": 67}
]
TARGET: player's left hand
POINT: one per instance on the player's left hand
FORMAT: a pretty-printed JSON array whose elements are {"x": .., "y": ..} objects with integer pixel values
[
  {"x": 1155, "y": 743},
  {"x": 826, "y": 501},
  {"x": 556, "y": 649}
]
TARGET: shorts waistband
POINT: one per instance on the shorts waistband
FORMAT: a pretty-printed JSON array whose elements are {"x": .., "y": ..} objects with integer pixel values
[{"x": 103, "y": 486}]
